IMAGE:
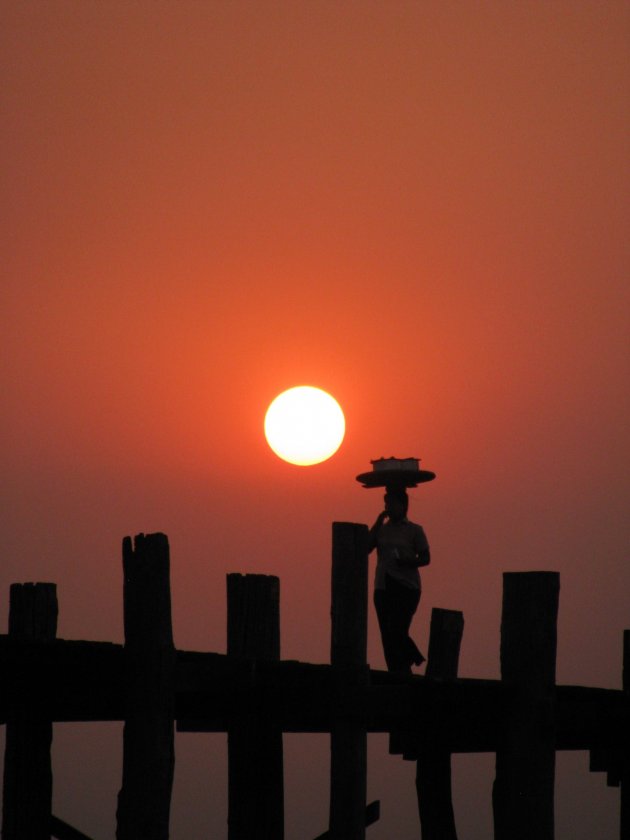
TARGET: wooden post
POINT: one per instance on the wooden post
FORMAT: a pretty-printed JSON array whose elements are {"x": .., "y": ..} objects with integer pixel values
[
  {"x": 348, "y": 654},
  {"x": 433, "y": 770},
  {"x": 27, "y": 794},
  {"x": 445, "y": 639},
  {"x": 624, "y": 827},
  {"x": 525, "y": 766},
  {"x": 255, "y": 759},
  {"x": 148, "y": 747}
]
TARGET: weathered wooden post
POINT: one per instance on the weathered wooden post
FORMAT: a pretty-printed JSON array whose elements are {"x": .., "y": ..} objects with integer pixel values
[
  {"x": 255, "y": 758},
  {"x": 445, "y": 639},
  {"x": 348, "y": 655},
  {"x": 433, "y": 770},
  {"x": 624, "y": 829},
  {"x": 525, "y": 766},
  {"x": 27, "y": 794},
  {"x": 148, "y": 741}
]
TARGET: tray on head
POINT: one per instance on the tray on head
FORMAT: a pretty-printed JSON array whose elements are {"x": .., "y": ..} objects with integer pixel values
[{"x": 395, "y": 478}]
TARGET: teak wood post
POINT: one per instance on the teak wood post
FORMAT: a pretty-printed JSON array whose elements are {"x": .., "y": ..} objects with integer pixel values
[
  {"x": 148, "y": 748},
  {"x": 624, "y": 827},
  {"x": 27, "y": 793},
  {"x": 433, "y": 773},
  {"x": 255, "y": 759},
  {"x": 523, "y": 792},
  {"x": 348, "y": 655}
]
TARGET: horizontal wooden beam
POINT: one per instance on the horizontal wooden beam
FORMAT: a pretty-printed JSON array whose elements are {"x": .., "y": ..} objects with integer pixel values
[
  {"x": 67, "y": 681},
  {"x": 62, "y": 680}
]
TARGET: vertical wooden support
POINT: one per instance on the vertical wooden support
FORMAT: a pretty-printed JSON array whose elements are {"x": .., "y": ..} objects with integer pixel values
[
  {"x": 27, "y": 794},
  {"x": 255, "y": 759},
  {"x": 525, "y": 766},
  {"x": 348, "y": 654},
  {"x": 433, "y": 773},
  {"x": 445, "y": 639},
  {"x": 148, "y": 742},
  {"x": 624, "y": 828}
]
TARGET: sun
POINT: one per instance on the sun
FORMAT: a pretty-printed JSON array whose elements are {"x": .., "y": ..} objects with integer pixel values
[{"x": 304, "y": 425}]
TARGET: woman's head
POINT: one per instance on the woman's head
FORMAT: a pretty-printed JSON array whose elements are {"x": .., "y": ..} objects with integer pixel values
[{"x": 396, "y": 503}]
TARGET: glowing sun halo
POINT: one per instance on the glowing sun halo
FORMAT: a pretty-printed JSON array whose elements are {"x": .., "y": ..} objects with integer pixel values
[{"x": 304, "y": 425}]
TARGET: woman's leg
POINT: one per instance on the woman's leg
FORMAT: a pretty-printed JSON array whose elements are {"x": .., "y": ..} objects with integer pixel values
[
  {"x": 395, "y": 606},
  {"x": 413, "y": 653},
  {"x": 385, "y": 612}
]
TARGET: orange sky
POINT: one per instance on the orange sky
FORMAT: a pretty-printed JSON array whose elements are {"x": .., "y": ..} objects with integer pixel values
[{"x": 420, "y": 207}]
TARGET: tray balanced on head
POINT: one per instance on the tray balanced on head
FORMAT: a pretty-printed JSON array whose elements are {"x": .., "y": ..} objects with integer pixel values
[{"x": 395, "y": 472}]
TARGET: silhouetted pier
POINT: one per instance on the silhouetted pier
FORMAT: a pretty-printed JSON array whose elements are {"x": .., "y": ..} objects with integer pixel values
[{"x": 254, "y": 696}]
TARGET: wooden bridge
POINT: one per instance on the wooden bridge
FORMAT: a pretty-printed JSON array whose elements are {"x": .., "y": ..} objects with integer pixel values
[{"x": 254, "y": 696}]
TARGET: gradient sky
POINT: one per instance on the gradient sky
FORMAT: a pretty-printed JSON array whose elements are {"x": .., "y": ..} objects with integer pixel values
[{"x": 421, "y": 207}]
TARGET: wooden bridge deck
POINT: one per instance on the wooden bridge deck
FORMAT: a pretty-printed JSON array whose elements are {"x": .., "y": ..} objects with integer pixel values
[{"x": 64, "y": 681}]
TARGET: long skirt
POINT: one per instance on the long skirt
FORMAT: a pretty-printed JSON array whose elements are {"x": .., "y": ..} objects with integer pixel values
[{"x": 395, "y": 607}]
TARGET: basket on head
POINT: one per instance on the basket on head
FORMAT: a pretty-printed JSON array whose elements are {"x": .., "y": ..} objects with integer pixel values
[{"x": 395, "y": 473}]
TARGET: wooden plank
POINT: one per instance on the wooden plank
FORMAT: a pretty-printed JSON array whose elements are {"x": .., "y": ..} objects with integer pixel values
[
  {"x": 433, "y": 768},
  {"x": 62, "y": 831},
  {"x": 27, "y": 792},
  {"x": 587, "y": 718},
  {"x": 73, "y": 680},
  {"x": 348, "y": 653},
  {"x": 523, "y": 794},
  {"x": 255, "y": 754},
  {"x": 148, "y": 736},
  {"x": 84, "y": 681}
]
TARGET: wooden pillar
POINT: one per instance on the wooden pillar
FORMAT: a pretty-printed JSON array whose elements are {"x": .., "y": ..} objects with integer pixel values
[
  {"x": 148, "y": 741},
  {"x": 348, "y": 655},
  {"x": 433, "y": 773},
  {"x": 624, "y": 829},
  {"x": 445, "y": 639},
  {"x": 255, "y": 759},
  {"x": 525, "y": 766},
  {"x": 27, "y": 794}
]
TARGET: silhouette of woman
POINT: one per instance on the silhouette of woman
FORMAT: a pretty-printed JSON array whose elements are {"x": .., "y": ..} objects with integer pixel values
[{"x": 401, "y": 548}]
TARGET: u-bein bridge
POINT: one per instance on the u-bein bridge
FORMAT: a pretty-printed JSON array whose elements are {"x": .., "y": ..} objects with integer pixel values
[{"x": 254, "y": 696}]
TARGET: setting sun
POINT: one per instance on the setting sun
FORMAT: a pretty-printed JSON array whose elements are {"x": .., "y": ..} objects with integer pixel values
[{"x": 304, "y": 425}]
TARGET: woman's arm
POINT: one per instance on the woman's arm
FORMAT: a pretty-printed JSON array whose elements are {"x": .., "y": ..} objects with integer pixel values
[
  {"x": 421, "y": 545},
  {"x": 424, "y": 557},
  {"x": 373, "y": 532},
  {"x": 412, "y": 558}
]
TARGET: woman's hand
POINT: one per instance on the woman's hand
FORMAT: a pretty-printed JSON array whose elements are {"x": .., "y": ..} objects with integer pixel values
[
  {"x": 373, "y": 534},
  {"x": 410, "y": 558},
  {"x": 407, "y": 557},
  {"x": 380, "y": 519}
]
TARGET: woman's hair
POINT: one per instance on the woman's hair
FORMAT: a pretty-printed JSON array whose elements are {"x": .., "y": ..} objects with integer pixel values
[{"x": 400, "y": 495}]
